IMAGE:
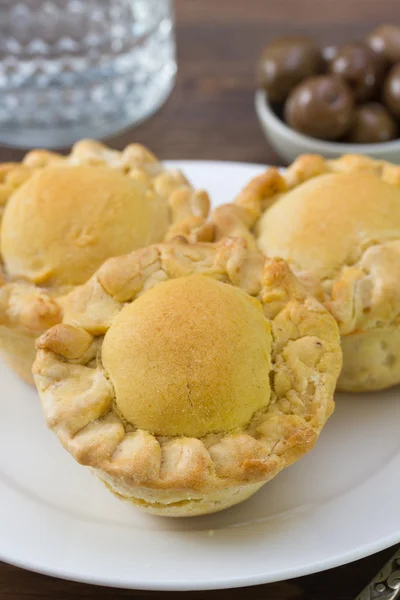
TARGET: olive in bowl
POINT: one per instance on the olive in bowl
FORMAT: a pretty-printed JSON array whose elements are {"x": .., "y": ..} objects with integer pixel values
[
  {"x": 285, "y": 62},
  {"x": 321, "y": 107},
  {"x": 360, "y": 68},
  {"x": 372, "y": 124},
  {"x": 391, "y": 93},
  {"x": 385, "y": 41}
]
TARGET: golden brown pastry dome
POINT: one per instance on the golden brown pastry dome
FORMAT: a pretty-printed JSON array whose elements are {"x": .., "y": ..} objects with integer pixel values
[
  {"x": 337, "y": 224},
  {"x": 190, "y": 357},
  {"x": 62, "y": 223},
  {"x": 327, "y": 221}
]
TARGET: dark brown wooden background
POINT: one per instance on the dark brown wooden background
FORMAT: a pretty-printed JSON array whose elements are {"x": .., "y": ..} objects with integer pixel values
[{"x": 210, "y": 116}]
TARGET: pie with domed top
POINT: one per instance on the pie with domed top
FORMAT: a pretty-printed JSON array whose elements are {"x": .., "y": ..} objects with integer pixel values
[
  {"x": 63, "y": 216},
  {"x": 188, "y": 375},
  {"x": 337, "y": 224}
]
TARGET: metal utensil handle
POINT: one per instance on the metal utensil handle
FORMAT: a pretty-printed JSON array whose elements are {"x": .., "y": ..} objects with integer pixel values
[{"x": 386, "y": 585}]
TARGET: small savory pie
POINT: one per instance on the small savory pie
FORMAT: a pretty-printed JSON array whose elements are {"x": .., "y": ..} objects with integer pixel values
[
  {"x": 63, "y": 216},
  {"x": 188, "y": 375},
  {"x": 337, "y": 224}
]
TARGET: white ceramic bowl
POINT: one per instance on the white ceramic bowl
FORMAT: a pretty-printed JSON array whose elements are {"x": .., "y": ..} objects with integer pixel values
[{"x": 289, "y": 143}]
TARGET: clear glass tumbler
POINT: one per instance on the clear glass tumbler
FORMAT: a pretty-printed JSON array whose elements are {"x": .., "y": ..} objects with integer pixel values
[{"x": 71, "y": 69}]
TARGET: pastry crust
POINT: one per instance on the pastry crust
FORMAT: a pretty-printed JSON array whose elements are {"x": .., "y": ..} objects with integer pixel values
[
  {"x": 178, "y": 474},
  {"x": 131, "y": 201},
  {"x": 26, "y": 311},
  {"x": 337, "y": 223}
]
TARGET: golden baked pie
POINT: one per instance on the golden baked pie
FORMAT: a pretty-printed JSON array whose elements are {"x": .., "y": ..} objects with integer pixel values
[
  {"x": 188, "y": 375},
  {"x": 337, "y": 223},
  {"x": 63, "y": 216}
]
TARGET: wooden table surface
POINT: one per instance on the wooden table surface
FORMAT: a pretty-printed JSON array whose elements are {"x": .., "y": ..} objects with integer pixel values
[{"x": 210, "y": 115}]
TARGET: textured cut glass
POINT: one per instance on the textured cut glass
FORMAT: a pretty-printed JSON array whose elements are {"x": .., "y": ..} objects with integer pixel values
[{"x": 81, "y": 68}]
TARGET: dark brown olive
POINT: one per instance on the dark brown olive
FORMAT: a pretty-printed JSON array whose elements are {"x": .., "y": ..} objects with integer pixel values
[
  {"x": 328, "y": 54},
  {"x": 372, "y": 123},
  {"x": 285, "y": 62},
  {"x": 385, "y": 41},
  {"x": 362, "y": 70},
  {"x": 321, "y": 107},
  {"x": 391, "y": 90}
]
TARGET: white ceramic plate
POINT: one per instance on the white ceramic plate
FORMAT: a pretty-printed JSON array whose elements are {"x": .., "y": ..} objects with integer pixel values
[{"x": 338, "y": 504}]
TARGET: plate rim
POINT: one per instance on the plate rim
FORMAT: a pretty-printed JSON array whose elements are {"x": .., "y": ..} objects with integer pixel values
[{"x": 200, "y": 585}]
